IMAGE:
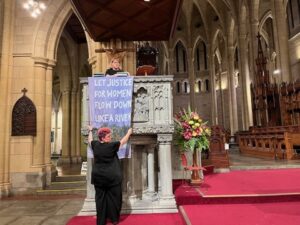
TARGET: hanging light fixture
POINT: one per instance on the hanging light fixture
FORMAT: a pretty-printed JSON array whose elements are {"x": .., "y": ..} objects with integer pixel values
[{"x": 35, "y": 7}]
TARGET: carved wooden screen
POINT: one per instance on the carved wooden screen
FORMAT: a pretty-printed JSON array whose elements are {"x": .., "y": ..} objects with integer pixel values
[{"x": 24, "y": 117}]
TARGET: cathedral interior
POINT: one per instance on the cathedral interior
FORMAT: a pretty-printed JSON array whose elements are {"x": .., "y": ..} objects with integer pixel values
[{"x": 217, "y": 53}]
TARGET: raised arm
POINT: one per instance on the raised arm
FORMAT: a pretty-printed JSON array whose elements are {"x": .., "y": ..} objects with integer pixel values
[{"x": 126, "y": 137}]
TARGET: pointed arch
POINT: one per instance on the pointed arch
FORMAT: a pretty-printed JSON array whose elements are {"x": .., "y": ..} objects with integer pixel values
[
  {"x": 197, "y": 4},
  {"x": 264, "y": 18},
  {"x": 45, "y": 44},
  {"x": 181, "y": 57}
]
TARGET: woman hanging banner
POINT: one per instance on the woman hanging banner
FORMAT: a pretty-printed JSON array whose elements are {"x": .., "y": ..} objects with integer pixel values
[{"x": 110, "y": 100}]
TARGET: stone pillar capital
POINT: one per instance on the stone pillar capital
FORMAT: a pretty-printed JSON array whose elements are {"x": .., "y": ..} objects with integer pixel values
[
  {"x": 43, "y": 62},
  {"x": 164, "y": 139}
]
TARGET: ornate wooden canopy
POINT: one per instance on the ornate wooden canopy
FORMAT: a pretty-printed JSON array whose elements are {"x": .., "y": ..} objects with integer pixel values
[{"x": 128, "y": 20}]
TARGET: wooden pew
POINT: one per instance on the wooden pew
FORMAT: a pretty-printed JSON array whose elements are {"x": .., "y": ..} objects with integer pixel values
[{"x": 277, "y": 142}]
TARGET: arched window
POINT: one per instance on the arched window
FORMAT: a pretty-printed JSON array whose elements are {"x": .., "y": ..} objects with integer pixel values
[
  {"x": 293, "y": 14},
  {"x": 201, "y": 57},
  {"x": 24, "y": 117},
  {"x": 186, "y": 87},
  {"x": 180, "y": 54},
  {"x": 207, "y": 85},
  {"x": 199, "y": 85},
  {"x": 205, "y": 56},
  {"x": 198, "y": 58},
  {"x": 198, "y": 88},
  {"x": 178, "y": 87}
]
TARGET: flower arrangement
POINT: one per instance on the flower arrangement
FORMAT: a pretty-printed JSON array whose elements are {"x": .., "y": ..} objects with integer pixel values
[{"x": 191, "y": 131}]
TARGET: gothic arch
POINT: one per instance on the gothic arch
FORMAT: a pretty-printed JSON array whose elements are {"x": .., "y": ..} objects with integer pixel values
[
  {"x": 181, "y": 65},
  {"x": 66, "y": 47},
  {"x": 196, "y": 3},
  {"x": 197, "y": 41},
  {"x": 45, "y": 44},
  {"x": 217, "y": 32},
  {"x": 264, "y": 18},
  {"x": 182, "y": 42}
]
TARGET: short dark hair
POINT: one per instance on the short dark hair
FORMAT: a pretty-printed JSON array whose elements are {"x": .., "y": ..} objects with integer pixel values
[{"x": 102, "y": 132}]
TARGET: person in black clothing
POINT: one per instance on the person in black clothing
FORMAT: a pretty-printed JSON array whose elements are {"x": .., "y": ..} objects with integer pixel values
[
  {"x": 107, "y": 175},
  {"x": 115, "y": 67}
]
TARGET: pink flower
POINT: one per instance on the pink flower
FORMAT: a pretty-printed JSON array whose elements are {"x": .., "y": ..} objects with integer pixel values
[
  {"x": 185, "y": 125},
  {"x": 187, "y": 135}
]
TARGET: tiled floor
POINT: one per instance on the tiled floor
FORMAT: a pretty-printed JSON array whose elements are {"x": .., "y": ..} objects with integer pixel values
[
  {"x": 39, "y": 211},
  {"x": 57, "y": 210},
  {"x": 241, "y": 162}
]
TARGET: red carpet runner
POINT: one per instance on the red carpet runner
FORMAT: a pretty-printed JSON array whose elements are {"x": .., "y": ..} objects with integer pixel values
[
  {"x": 257, "y": 197},
  {"x": 135, "y": 219}
]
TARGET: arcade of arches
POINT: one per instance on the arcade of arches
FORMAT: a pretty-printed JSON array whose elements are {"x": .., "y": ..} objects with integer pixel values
[{"x": 211, "y": 55}]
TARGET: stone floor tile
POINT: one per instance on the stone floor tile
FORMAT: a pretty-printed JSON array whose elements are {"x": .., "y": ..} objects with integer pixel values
[
  {"x": 7, "y": 220},
  {"x": 29, "y": 220},
  {"x": 57, "y": 220}
]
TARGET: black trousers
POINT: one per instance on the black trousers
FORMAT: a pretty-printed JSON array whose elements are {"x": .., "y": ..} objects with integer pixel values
[{"x": 108, "y": 203}]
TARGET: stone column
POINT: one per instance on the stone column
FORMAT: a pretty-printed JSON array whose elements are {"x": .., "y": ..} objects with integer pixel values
[
  {"x": 40, "y": 69},
  {"x": 77, "y": 135},
  {"x": 65, "y": 155},
  {"x": 232, "y": 92},
  {"x": 253, "y": 49},
  {"x": 165, "y": 166},
  {"x": 84, "y": 122},
  {"x": 56, "y": 131},
  {"x": 221, "y": 97},
  {"x": 171, "y": 61},
  {"x": 48, "y": 114},
  {"x": 5, "y": 90},
  {"x": 89, "y": 206},
  {"x": 132, "y": 197},
  {"x": 191, "y": 73},
  {"x": 245, "y": 82},
  {"x": 281, "y": 38},
  {"x": 73, "y": 156},
  {"x": 214, "y": 116},
  {"x": 150, "y": 169}
]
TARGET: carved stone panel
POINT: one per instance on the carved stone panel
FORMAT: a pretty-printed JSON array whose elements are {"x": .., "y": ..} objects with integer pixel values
[
  {"x": 24, "y": 117},
  {"x": 141, "y": 106}
]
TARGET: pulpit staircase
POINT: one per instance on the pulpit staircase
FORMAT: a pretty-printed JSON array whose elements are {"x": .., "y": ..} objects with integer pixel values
[
  {"x": 66, "y": 185},
  {"x": 70, "y": 181}
]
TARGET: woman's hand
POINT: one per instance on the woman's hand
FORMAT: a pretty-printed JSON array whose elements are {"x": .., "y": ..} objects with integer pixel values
[
  {"x": 90, "y": 127},
  {"x": 126, "y": 137},
  {"x": 129, "y": 132}
]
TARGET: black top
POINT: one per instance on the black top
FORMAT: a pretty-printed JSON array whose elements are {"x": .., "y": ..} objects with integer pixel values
[
  {"x": 111, "y": 71},
  {"x": 106, "y": 168}
]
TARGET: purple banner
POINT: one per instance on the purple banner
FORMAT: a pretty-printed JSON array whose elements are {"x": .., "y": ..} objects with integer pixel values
[{"x": 110, "y": 100}]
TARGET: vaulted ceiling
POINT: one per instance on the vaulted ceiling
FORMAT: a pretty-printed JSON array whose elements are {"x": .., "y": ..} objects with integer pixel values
[{"x": 129, "y": 20}]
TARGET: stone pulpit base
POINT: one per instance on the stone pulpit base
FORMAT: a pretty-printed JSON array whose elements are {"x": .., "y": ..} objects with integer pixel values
[{"x": 147, "y": 183}]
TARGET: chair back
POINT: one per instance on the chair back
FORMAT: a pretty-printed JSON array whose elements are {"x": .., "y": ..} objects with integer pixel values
[{"x": 183, "y": 160}]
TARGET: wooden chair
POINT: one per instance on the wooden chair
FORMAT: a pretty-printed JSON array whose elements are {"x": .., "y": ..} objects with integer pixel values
[{"x": 186, "y": 167}]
